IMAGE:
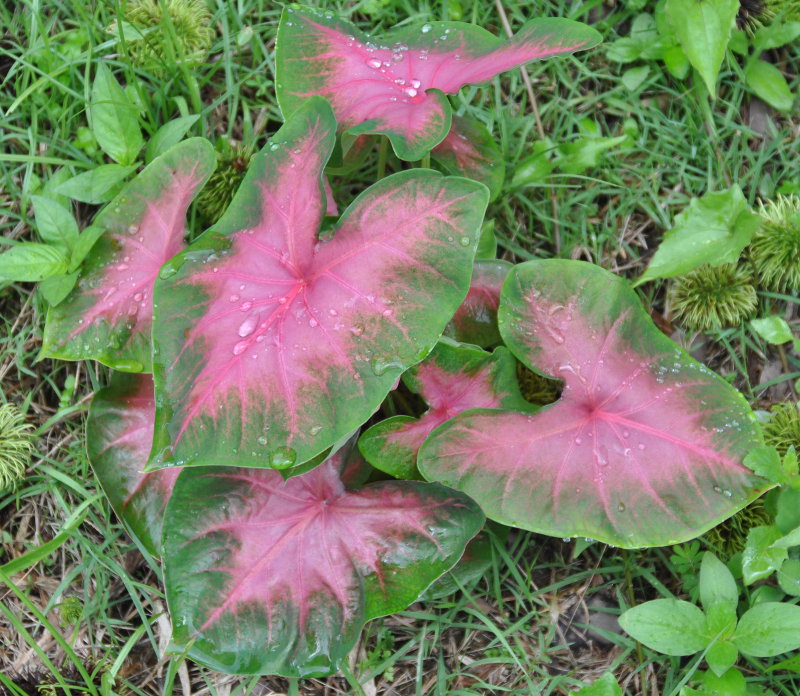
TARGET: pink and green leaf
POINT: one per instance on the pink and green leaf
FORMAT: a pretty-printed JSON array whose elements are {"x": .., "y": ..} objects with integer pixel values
[
  {"x": 272, "y": 344},
  {"x": 119, "y": 433},
  {"x": 396, "y": 85},
  {"x": 470, "y": 150},
  {"x": 645, "y": 446},
  {"x": 452, "y": 379},
  {"x": 109, "y": 314},
  {"x": 279, "y": 577},
  {"x": 475, "y": 321}
]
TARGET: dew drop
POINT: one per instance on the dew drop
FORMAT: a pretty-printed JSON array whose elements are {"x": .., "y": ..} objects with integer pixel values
[
  {"x": 387, "y": 312},
  {"x": 464, "y": 241},
  {"x": 240, "y": 348},
  {"x": 381, "y": 367},
  {"x": 425, "y": 28},
  {"x": 332, "y": 312},
  {"x": 411, "y": 92},
  {"x": 246, "y": 306},
  {"x": 122, "y": 267},
  {"x": 621, "y": 507},
  {"x": 138, "y": 297},
  {"x": 373, "y": 63},
  {"x": 262, "y": 440},
  {"x": 357, "y": 330},
  {"x": 717, "y": 489},
  {"x": 315, "y": 430},
  {"x": 415, "y": 84},
  {"x": 641, "y": 446},
  {"x": 313, "y": 323},
  {"x": 282, "y": 457},
  {"x": 578, "y": 441},
  {"x": 397, "y": 57},
  {"x": 281, "y": 300},
  {"x": 233, "y": 298},
  {"x": 248, "y": 326}
]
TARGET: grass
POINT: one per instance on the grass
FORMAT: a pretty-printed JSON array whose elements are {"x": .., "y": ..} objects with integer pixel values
[{"x": 81, "y": 612}]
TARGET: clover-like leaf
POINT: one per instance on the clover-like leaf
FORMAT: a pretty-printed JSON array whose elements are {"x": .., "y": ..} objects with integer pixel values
[
  {"x": 470, "y": 150},
  {"x": 119, "y": 434},
  {"x": 278, "y": 577},
  {"x": 109, "y": 314},
  {"x": 475, "y": 321},
  {"x": 644, "y": 447},
  {"x": 396, "y": 85},
  {"x": 452, "y": 379},
  {"x": 273, "y": 344}
]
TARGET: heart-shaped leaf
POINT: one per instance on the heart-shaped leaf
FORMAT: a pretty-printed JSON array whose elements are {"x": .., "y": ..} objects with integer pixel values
[
  {"x": 278, "y": 577},
  {"x": 475, "y": 321},
  {"x": 396, "y": 85},
  {"x": 452, "y": 379},
  {"x": 470, "y": 150},
  {"x": 272, "y": 343},
  {"x": 119, "y": 433},
  {"x": 109, "y": 315},
  {"x": 644, "y": 447}
]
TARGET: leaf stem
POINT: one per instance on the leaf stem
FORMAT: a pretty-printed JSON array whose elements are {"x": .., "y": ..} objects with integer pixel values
[
  {"x": 382, "y": 153},
  {"x": 425, "y": 162}
]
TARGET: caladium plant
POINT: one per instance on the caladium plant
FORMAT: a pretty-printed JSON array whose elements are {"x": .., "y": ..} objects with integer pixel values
[
  {"x": 645, "y": 447},
  {"x": 278, "y": 577},
  {"x": 119, "y": 434},
  {"x": 396, "y": 85},
  {"x": 475, "y": 321},
  {"x": 109, "y": 315},
  {"x": 452, "y": 379},
  {"x": 273, "y": 344}
]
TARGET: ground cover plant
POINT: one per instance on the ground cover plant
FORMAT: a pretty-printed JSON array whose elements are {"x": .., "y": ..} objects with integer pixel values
[{"x": 346, "y": 379}]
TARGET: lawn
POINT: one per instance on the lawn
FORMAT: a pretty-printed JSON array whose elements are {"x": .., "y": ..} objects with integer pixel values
[{"x": 602, "y": 151}]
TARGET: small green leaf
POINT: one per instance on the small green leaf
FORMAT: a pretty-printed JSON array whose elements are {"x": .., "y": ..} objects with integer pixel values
[
  {"x": 86, "y": 241},
  {"x": 55, "y": 288},
  {"x": 487, "y": 242},
  {"x": 536, "y": 167},
  {"x": 31, "y": 262},
  {"x": 676, "y": 62},
  {"x": 703, "y": 29},
  {"x": 711, "y": 230},
  {"x": 789, "y": 577},
  {"x": 97, "y": 186},
  {"x": 721, "y": 657},
  {"x": 114, "y": 119},
  {"x": 769, "y": 84},
  {"x": 669, "y": 626},
  {"x": 731, "y": 683},
  {"x": 787, "y": 513},
  {"x": 633, "y": 77},
  {"x": 772, "y": 329},
  {"x": 169, "y": 134},
  {"x": 55, "y": 224},
  {"x": 717, "y": 586},
  {"x": 775, "y": 35},
  {"x": 759, "y": 558},
  {"x": 769, "y": 629},
  {"x": 766, "y": 462},
  {"x": 577, "y": 157},
  {"x": 788, "y": 540},
  {"x": 604, "y": 686}
]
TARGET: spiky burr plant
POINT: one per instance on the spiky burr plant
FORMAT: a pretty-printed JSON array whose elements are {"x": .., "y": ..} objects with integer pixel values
[
  {"x": 232, "y": 163},
  {"x": 535, "y": 388},
  {"x": 783, "y": 430},
  {"x": 775, "y": 249},
  {"x": 730, "y": 537},
  {"x": 16, "y": 446},
  {"x": 713, "y": 297},
  {"x": 155, "y": 50}
]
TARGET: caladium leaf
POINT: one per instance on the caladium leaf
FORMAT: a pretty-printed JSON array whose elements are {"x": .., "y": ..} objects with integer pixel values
[
  {"x": 109, "y": 314},
  {"x": 396, "y": 85},
  {"x": 475, "y": 321},
  {"x": 278, "y": 577},
  {"x": 645, "y": 447},
  {"x": 119, "y": 433},
  {"x": 272, "y": 343},
  {"x": 452, "y": 379},
  {"x": 470, "y": 150}
]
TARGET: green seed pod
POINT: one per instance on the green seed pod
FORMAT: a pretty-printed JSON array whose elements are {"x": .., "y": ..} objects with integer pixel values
[{"x": 712, "y": 297}]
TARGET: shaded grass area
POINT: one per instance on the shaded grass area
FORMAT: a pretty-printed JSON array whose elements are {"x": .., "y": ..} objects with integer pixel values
[{"x": 82, "y": 612}]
